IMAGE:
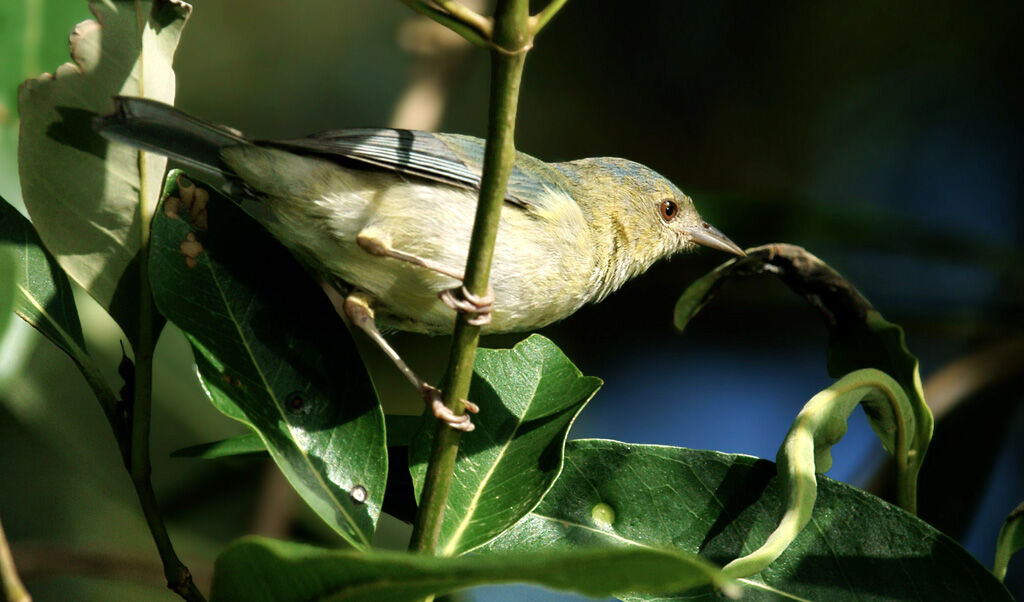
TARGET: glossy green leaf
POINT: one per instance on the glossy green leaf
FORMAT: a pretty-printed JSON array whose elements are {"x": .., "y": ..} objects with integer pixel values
[
  {"x": 86, "y": 196},
  {"x": 44, "y": 298},
  {"x": 859, "y": 337},
  {"x": 400, "y": 430},
  {"x": 723, "y": 506},
  {"x": 259, "y": 569},
  {"x": 528, "y": 396},
  {"x": 1011, "y": 541},
  {"x": 273, "y": 355}
]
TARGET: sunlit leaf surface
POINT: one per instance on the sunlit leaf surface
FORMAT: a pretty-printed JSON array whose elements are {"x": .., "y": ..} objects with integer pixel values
[
  {"x": 528, "y": 397},
  {"x": 723, "y": 506}
]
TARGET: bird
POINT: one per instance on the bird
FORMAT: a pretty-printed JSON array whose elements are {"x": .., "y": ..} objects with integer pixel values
[{"x": 383, "y": 218}]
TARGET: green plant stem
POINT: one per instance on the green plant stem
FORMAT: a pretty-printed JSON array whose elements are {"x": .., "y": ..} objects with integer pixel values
[
  {"x": 107, "y": 399},
  {"x": 538, "y": 21},
  {"x": 135, "y": 451},
  {"x": 10, "y": 584},
  {"x": 179, "y": 579},
  {"x": 511, "y": 41}
]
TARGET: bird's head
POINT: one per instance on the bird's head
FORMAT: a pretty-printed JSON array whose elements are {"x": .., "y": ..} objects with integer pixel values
[{"x": 645, "y": 213}]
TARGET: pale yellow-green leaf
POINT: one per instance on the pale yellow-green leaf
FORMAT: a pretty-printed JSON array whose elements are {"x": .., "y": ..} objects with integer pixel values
[{"x": 86, "y": 196}]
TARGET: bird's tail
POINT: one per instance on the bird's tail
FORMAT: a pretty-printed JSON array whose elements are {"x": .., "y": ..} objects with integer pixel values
[{"x": 160, "y": 128}]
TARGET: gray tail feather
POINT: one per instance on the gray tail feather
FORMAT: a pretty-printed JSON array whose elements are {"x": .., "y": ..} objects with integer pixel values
[{"x": 160, "y": 128}]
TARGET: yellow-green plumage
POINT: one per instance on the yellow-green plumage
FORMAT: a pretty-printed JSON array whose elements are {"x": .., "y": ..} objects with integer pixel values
[
  {"x": 548, "y": 263},
  {"x": 570, "y": 233}
]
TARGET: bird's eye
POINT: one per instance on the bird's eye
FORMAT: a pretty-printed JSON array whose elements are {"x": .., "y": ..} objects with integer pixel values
[{"x": 669, "y": 209}]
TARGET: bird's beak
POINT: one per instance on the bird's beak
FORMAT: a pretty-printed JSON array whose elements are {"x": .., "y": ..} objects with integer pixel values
[{"x": 709, "y": 236}]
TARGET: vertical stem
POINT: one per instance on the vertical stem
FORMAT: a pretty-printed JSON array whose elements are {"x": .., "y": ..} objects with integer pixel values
[
  {"x": 11, "y": 587},
  {"x": 179, "y": 579},
  {"x": 509, "y": 46}
]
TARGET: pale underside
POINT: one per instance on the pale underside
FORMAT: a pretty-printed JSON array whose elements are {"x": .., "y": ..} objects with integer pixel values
[{"x": 544, "y": 261}]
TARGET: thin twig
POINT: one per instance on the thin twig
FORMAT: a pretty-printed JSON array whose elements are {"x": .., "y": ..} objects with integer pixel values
[
  {"x": 464, "y": 29},
  {"x": 538, "y": 21}
]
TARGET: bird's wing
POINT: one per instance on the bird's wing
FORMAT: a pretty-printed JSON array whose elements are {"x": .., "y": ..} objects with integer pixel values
[{"x": 448, "y": 158}]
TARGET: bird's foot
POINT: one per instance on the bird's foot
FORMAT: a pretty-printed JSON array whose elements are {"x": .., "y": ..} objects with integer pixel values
[
  {"x": 192, "y": 199},
  {"x": 191, "y": 248},
  {"x": 190, "y": 205},
  {"x": 432, "y": 395},
  {"x": 478, "y": 307}
]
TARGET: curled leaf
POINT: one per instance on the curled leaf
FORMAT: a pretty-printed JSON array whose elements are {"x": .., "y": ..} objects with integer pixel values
[
  {"x": 859, "y": 337},
  {"x": 807, "y": 450},
  {"x": 1011, "y": 540},
  {"x": 721, "y": 506}
]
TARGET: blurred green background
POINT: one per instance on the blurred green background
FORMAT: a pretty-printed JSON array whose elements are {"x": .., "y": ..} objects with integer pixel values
[{"x": 884, "y": 137}]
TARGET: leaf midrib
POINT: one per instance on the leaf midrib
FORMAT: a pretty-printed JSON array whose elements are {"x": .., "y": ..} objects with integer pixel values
[
  {"x": 73, "y": 348},
  {"x": 746, "y": 581},
  {"x": 474, "y": 503},
  {"x": 363, "y": 543}
]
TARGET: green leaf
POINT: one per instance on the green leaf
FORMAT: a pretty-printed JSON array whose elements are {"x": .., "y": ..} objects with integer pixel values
[
  {"x": 242, "y": 445},
  {"x": 44, "y": 298},
  {"x": 400, "y": 430},
  {"x": 859, "y": 337},
  {"x": 87, "y": 197},
  {"x": 1011, "y": 541},
  {"x": 9, "y": 281},
  {"x": 273, "y": 355},
  {"x": 723, "y": 506},
  {"x": 257, "y": 569},
  {"x": 807, "y": 450},
  {"x": 528, "y": 396}
]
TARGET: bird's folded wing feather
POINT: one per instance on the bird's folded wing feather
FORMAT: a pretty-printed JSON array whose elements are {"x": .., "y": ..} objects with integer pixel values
[{"x": 448, "y": 158}]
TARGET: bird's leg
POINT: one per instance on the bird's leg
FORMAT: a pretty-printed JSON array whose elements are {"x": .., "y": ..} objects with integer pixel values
[
  {"x": 357, "y": 308},
  {"x": 460, "y": 299}
]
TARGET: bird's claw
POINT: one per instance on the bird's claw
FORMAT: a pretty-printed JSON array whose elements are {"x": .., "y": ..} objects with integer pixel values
[
  {"x": 432, "y": 395},
  {"x": 478, "y": 307}
]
